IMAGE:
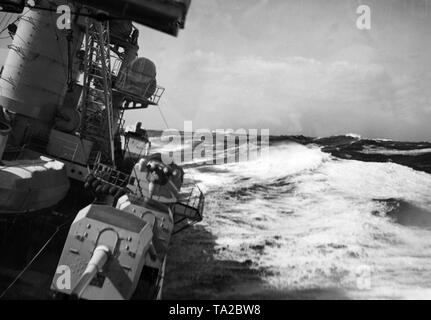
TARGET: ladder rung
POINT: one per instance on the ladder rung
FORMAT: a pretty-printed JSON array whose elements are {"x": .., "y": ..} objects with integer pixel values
[
  {"x": 97, "y": 89},
  {"x": 97, "y": 95},
  {"x": 95, "y": 76},
  {"x": 99, "y": 103}
]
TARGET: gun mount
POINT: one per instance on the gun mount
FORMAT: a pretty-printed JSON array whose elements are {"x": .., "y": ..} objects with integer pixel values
[{"x": 109, "y": 245}]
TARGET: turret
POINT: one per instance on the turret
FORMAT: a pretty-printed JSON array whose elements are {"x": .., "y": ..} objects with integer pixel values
[
  {"x": 105, "y": 251},
  {"x": 123, "y": 240}
]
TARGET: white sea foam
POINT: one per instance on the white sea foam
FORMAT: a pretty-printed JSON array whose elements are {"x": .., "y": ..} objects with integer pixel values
[
  {"x": 308, "y": 218},
  {"x": 390, "y": 152},
  {"x": 354, "y": 135}
]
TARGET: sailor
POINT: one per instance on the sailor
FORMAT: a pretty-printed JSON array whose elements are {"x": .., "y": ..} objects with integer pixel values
[{"x": 141, "y": 133}]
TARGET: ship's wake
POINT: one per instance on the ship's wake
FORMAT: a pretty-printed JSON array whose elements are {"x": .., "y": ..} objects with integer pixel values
[{"x": 302, "y": 224}]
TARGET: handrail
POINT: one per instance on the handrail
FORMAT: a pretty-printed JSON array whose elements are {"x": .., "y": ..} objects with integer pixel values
[
  {"x": 110, "y": 175},
  {"x": 190, "y": 212}
]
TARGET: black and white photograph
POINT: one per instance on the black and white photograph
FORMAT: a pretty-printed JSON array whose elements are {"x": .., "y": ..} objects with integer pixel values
[{"x": 227, "y": 151}]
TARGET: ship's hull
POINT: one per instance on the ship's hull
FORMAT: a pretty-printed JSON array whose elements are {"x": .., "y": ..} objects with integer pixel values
[{"x": 23, "y": 235}]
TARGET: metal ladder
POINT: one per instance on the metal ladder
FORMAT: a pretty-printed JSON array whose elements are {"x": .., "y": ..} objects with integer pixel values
[{"x": 97, "y": 114}]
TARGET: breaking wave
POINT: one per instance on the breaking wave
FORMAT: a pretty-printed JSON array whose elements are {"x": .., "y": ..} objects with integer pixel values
[
  {"x": 300, "y": 223},
  {"x": 384, "y": 151}
]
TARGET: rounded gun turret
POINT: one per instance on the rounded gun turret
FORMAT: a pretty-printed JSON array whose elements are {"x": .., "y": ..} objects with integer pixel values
[{"x": 119, "y": 252}]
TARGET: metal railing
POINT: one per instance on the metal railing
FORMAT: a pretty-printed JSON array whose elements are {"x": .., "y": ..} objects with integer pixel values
[
  {"x": 140, "y": 102},
  {"x": 110, "y": 175},
  {"x": 188, "y": 210},
  {"x": 157, "y": 95}
]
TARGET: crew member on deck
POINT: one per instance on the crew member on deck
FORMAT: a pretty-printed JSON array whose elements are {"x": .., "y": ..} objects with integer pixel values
[{"x": 143, "y": 134}]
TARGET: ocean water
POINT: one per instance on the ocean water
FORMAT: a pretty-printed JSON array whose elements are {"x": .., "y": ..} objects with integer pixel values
[{"x": 319, "y": 219}]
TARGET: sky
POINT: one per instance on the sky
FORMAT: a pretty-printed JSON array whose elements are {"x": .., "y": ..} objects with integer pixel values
[{"x": 296, "y": 67}]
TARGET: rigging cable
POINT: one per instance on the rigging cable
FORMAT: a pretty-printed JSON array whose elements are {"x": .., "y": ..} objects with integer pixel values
[
  {"x": 194, "y": 181},
  {"x": 34, "y": 258},
  {"x": 163, "y": 117}
]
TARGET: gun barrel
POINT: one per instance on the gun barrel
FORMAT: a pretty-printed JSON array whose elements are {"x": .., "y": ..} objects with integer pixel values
[{"x": 96, "y": 263}]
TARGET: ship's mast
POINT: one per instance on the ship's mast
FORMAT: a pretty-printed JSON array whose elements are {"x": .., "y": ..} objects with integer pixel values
[{"x": 97, "y": 119}]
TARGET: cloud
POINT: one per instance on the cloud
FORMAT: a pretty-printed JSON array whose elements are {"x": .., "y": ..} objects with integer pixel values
[
  {"x": 297, "y": 95},
  {"x": 297, "y": 67}
]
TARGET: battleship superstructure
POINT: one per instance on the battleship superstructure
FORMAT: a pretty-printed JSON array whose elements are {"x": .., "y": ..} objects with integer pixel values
[{"x": 63, "y": 95}]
